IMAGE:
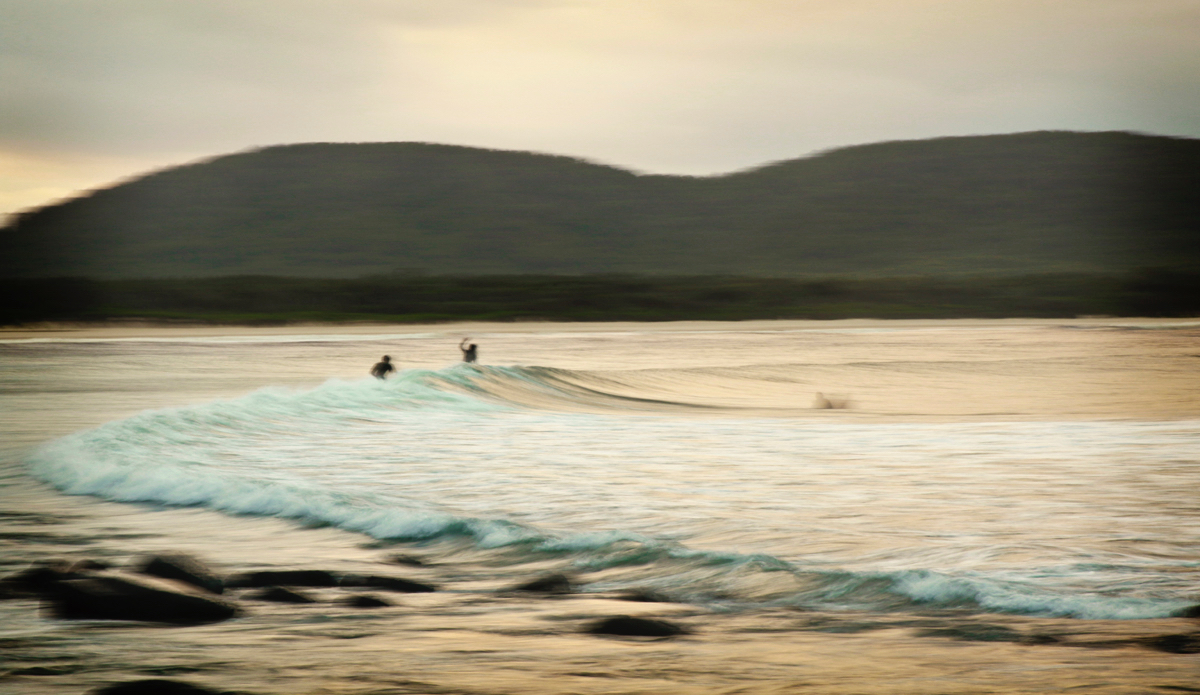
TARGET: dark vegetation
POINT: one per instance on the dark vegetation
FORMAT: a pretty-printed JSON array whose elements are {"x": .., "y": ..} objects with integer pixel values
[
  {"x": 259, "y": 299},
  {"x": 1048, "y": 224},
  {"x": 1031, "y": 203}
]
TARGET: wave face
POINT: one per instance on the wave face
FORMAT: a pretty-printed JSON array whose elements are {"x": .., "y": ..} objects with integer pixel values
[{"x": 649, "y": 479}]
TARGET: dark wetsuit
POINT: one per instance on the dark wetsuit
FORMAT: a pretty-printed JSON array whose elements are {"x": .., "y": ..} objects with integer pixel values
[
  {"x": 382, "y": 369},
  {"x": 469, "y": 354}
]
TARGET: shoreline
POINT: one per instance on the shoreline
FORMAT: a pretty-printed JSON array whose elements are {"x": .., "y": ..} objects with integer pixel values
[
  {"x": 476, "y": 634},
  {"x": 126, "y": 330}
]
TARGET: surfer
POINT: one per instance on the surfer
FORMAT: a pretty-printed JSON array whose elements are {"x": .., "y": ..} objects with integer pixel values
[
  {"x": 834, "y": 402},
  {"x": 382, "y": 369},
  {"x": 468, "y": 351}
]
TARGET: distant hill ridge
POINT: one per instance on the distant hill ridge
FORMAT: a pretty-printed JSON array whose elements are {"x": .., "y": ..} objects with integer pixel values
[{"x": 1021, "y": 203}]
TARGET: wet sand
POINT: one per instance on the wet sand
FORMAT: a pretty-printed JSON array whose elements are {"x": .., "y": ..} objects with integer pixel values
[{"x": 475, "y": 637}]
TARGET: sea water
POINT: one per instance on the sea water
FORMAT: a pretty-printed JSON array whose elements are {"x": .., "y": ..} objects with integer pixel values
[{"x": 1037, "y": 470}]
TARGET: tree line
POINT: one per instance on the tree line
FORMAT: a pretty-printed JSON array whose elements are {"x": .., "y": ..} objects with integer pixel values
[{"x": 421, "y": 299}]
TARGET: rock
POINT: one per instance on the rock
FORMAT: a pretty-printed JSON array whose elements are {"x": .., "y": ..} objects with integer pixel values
[
  {"x": 38, "y": 579},
  {"x": 626, "y": 626},
  {"x": 1189, "y": 612},
  {"x": 154, "y": 686},
  {"x": 130, "y": 598},
  {"x": 390, "y": 583},
  {"x": 184, "y": 568},
  {"x": 1176, "y": 644},
  {"x": 409, "y": 560},
  {"x": 550, "y": 584},
  {"x": 279, "y": 594},
  {"x": 60, "y": 670},
  {"x": 89, "y": 565},
  {"x": 365, "y": 601},
  {"x": 283, "y": 578}
]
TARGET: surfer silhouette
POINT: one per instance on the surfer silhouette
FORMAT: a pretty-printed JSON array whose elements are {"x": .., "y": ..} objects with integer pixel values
[
  {"x": 382, "y": 369},
  {"x": 468, "y": 351}
]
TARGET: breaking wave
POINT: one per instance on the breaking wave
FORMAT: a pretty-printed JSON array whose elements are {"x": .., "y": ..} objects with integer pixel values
[{"x": 452, "y": 456}]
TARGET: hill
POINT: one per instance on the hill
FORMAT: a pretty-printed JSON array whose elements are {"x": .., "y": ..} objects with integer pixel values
[{"x": 999, "y": 204}]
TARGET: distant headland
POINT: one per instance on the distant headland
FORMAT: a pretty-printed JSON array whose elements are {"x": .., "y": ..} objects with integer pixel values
[
  {"x": 1040, "y": 223},
  {"x": 996, "y": 204}
]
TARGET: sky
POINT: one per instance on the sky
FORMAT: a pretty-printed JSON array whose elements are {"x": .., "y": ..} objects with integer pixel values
[{"x": 95, "y": 91}]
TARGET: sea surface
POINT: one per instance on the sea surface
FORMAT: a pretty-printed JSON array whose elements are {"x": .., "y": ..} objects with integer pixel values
[{"x": 1010, "y": 484}]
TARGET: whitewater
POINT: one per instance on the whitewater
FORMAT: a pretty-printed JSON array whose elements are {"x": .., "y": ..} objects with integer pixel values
[{"x": 1034, "y": 470}]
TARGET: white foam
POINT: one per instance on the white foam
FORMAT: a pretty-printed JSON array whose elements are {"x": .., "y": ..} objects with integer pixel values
[{"x": 998, "y": 516}]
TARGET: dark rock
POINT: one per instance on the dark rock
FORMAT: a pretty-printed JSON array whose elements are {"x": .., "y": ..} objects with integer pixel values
[
  {"x": 551, "y": 584},
  {"x": 1189, "y": 612},
  {"x": 409, "y": 560},
  {"x": 365, "y": 601},
  {"x": 1039, "y": 638},
  {"x": 390, "y": 583},
  {"x": 1187, "y": 643},
  {"x": 643, "y": 596},
  {"x": 130, "y": 598},
  {"x": 39, "y": 579},
  {"x": 154, "y": 686},
  {"x": 626, "y": 626},
  {"x": 283, "y": 578},
  {"x": 89, "y": 565},
  {"x": 61, "y": 670},
  {"x": 279, "y": 594},
  {"x": 184, "y": 568}
]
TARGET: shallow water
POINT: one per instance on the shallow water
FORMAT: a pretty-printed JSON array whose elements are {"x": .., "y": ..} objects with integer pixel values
[{"x": 990, "y": 485}]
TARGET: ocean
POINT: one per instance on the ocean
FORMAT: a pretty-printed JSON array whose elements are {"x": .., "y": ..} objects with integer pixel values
[{"x": 993, "y": 505}]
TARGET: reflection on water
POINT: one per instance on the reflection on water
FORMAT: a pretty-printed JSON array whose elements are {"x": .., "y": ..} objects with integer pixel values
[{"x": 986, "y": 479}]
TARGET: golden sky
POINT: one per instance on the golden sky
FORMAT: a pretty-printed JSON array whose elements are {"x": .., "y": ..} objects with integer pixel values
[{"x": 96, "y": 90}]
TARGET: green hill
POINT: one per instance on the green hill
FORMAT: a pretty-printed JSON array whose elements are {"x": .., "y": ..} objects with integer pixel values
[{"x": 1000, "y": 204}]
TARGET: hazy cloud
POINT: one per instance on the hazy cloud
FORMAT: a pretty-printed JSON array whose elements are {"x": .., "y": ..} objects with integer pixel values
[{"x": 693, "y": 86}]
